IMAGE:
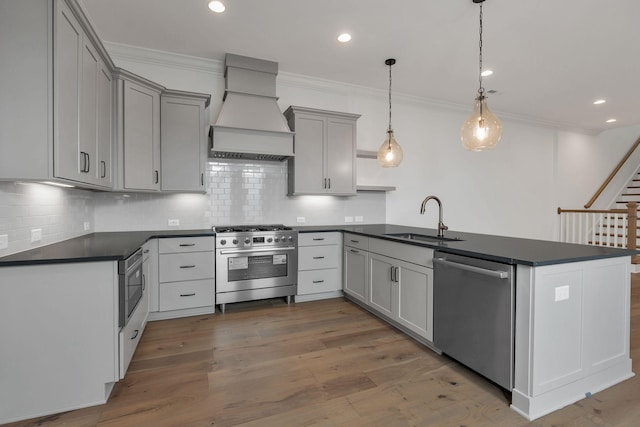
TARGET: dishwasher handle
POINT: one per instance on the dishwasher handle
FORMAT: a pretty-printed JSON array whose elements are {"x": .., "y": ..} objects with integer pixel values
[{"x": 484, "y": 271}]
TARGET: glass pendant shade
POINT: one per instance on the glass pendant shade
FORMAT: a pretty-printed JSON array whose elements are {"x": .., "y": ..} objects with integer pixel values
[
  {"x": 482, "y": 130},
  {"x": 390, "y": 152}
]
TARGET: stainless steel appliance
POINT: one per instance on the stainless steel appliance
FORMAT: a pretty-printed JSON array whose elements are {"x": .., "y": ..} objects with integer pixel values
[
  {"x": 255, "y": 262},
  {"x": 131, "y": 285},
  {"x": 473, "y": 314}
]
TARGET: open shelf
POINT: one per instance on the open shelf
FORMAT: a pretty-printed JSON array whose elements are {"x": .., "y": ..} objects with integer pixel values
[
  {"x": 367, "y": 154},
  {"x": 374, "y": 188}
]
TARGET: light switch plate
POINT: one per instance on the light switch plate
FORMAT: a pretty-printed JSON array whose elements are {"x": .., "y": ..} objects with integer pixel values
[
  {"x": 4, "y": 241},
  {"x": 359, "y": 218},
  {"x": 173, "y": 222},
  {"x": 301, "y": 220},
  {"x": 87, "y": 226},
  {"x": 36, "y": 235}
]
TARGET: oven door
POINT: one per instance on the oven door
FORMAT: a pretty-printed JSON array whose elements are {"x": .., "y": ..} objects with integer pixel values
[{"x": 245, "y": 269}]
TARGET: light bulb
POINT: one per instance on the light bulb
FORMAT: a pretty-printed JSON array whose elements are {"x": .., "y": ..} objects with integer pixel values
[
  {"x": 390, "y": 152},
  {"x": 481, "y": 131},
  {"x": 217, "y": 6}
]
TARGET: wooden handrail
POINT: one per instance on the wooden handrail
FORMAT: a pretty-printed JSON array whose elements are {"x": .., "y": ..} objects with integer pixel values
[
  {"x": 612, "y": 174},
  {"x": 605, "y": 211}
]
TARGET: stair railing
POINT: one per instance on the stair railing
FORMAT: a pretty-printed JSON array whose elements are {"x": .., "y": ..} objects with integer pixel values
[
  {"x": 600, "y": 227},
  {"x": 612, "y": 174}
]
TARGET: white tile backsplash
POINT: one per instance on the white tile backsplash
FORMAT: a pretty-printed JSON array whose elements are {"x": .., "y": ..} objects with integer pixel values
[
  {"x": 238, "y": 192},
  {"x": 59, "y": 212}
]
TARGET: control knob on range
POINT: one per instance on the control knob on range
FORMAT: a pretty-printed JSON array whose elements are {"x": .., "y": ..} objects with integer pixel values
[
  {"x": 269, "y": 240},
  {"x": 276, "y": 239},
  {"x": 235, "y": 241},
  {"x": 290, "y": 239},
  {"x": 223, "y": 242},
  {"x": 247, "y": 241}
]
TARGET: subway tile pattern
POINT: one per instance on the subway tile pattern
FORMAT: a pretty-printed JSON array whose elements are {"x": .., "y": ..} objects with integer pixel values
[{"x": 59, "y": 212}]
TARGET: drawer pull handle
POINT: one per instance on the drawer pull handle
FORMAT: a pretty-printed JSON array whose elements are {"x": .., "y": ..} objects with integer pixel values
[
  {"x": 355, "y": 241},
  {"x": 318, "y": 238},
  {"x": 318, "y": 281},
  {"x": 318, "y": 257},
  {"x": 187, "y": 266},
  {"x": 146, "y": 251},
  {"x": 188, "y": 295},
  {"x": 354, "y": 251},
  {"x": 135, "y": 334},
  {"x": 182, "y": 245}
]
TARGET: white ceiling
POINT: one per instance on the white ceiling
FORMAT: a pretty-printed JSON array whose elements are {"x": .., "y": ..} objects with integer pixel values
[{"x": 552, "y": 58}]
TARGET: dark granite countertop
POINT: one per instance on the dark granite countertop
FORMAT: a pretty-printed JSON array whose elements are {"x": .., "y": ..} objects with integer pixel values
[
  {"x": 111, "y": 246},
  {"x": 510, "y": 250},
  {"x": 116, "y": 246}
]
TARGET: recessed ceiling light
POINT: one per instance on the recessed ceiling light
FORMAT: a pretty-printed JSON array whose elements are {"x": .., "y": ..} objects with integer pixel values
[
  {"x": 217, "y": 6},
  {"x": 486, "y": 73},
  {"x": 344, "y": 37},
  {"x": 611, "y": 120},
  {"x": 599, "y": 101}
]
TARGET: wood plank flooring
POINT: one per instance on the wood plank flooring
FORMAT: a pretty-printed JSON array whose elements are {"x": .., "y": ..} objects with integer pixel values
[{"x": 324, "y": 363}]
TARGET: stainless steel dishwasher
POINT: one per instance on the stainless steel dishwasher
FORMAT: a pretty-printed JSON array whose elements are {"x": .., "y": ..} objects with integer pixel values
[{"x": 474, "y": 305}]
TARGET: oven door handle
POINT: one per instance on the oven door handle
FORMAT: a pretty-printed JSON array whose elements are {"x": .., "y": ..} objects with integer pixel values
[{"x": 244, "y": 251}]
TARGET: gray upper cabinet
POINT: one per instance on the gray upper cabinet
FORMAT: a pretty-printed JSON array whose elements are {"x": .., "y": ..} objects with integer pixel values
[
  {"x": 52, "y": 94},
  {"x": 325, "y": 152},
  {"x": 138, "y": 146},
  {"x": 183, "y": 141}
]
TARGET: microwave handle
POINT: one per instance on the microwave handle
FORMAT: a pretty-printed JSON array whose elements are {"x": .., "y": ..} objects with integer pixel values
[{"x": 241, "y": 251}]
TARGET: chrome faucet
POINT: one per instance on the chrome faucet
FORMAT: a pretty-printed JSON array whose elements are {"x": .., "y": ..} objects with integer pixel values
[{"x": 441, "y": 226}]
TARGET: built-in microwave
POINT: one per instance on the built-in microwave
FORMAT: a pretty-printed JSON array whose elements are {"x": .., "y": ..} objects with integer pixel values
[{"x": 131, "y": 286}]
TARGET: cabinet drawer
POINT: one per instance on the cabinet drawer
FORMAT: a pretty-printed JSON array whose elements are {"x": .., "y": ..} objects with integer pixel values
[
  {"x": 356, "y": 241},
  {"x": 131, "y": 333},
  {"x": 195, "y": 293},
  {"x": 316, "y": 239},
  {"x": 186, "y": 244},
  {"x": 188, "y": 266},
  {"x": 318, "y": 257},
  {"x": 316, "y": 281}
]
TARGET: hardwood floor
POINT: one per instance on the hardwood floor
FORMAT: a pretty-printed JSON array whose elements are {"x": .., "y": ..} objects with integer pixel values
[{"x": 324, "y": 363}]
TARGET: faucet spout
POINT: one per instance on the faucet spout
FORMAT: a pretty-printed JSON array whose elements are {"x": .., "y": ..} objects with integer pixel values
[{"x": 441, "y": 226}]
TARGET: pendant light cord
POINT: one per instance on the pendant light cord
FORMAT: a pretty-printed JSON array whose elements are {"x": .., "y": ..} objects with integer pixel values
[
  {"x": 390, "y": 64},
  {"x": 480, "y": 89}
]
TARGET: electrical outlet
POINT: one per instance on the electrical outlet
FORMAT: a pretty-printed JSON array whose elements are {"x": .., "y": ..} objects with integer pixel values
[
  {"x": 359, "y": 218},
  {"x": 87, "y": 226},
  {"x": 173, "y": 222},
  {"x": 562, "y": 293},
  {"x": 301, "y": 220},
  {"x": 348, "y": 219},
  {"x": 4, "y": 241},
  {"x": 36, "y": 235}
]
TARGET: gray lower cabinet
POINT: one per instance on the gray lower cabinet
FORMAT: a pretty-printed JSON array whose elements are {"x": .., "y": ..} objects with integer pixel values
[
  {"x": 394, "y": 280},
  {"x": 138, "y": 134},
  {"x": 183, "y": 141},
  {"x": 56, "y": 99},
  {"x": 325, "y": 152}
]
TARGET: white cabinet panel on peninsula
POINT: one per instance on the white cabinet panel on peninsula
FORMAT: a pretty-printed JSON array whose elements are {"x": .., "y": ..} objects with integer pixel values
[
  {"x": 55, "y": 109},
  {"x": 59, "y": 337}
]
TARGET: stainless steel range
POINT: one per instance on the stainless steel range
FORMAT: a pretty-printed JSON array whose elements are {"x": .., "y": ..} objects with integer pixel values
[{"x": 255, "y": 262}]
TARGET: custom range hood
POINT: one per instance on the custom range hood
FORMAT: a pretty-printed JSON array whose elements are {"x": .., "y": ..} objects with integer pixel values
[{"x": 250, "y": 124}]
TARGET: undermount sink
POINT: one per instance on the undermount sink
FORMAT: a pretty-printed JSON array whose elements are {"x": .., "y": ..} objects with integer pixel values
[{"x": 423, "y": 237}]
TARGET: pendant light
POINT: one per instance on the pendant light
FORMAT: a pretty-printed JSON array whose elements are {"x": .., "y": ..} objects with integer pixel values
[
  {"x": 482, "y": 129},
  {"x": 390, "y": 152}
]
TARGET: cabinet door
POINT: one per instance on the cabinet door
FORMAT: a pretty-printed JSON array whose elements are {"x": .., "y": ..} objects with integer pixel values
[
  {"x": 381, "y": 287},
  {"x": 415, "y": 298},
  {"x": 141, "y": 137},
  {"x": 309, "y": 162},
  {"x": 183, "y": 144},
  {"x": 88, "y": 143},
  {"x": 340, "y": 155},
  {"x": 68, "y": 56},
  {"x": 355, "y": 273},
  {"x": 104, "y": 171}
]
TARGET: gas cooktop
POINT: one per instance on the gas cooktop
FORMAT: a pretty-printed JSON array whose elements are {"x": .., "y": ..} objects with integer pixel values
[{"x": 249, "y": 228}]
